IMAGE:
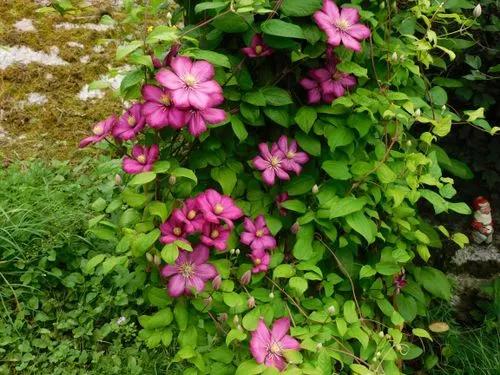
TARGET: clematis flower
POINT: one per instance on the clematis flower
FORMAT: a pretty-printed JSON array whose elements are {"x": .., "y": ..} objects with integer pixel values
[
  {"x": 261, "y": 260},
  {"x": 215, "y": 235},
  {"x": 332, "y": 81},
  {"x": 173, "y": 230},
  {"x": 190, "y": 215},
  {"x": 314, "y": 91},
  {"x": 294, "y": 159},
  {"x": 217, "y": 207},
  {"x": 198, "y": 119},
  {"x": 270, "y": 163},
  {"x": 282, "y": 197},
  {"x": 142, "y": 159},
  {"x": 341, "y": 26},
  {"x": 257, "y": 48},
  {"x": 159, "y": 109},
  {"x": 190, "y": 272},
  {"x": 192, "y": 83},
  {"x": 268, "y": 346},
  {"x": 130, "y": 123},
  {"x": 257, "y": 234},
  {"x": 101, "y": 130}
]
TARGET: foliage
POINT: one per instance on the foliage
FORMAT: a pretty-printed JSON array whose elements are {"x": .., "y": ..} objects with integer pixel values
[{"x": 349, "y": 266}]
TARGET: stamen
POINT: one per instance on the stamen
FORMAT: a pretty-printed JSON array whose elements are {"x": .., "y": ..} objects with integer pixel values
[
  {"x": 177, "y": 231},
  {"x": 141, "y": 159},
  {"x": 218, "y": 208},
  {"x": 98, "y": 130},
  {"x": 258, "y": 49},
  {"x": 191, "y": 214}
]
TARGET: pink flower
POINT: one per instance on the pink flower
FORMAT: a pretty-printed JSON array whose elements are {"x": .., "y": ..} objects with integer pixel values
[
  {"x": 313, "y": 87},
  {"x": 191, "y": 82},
  {"x": 271, "y": 163},
  {"x": 332, "y": 81},
  {"x": 257, "y": 234},
  {"x": 257, "y": 48},
  {"x": 261, "y": 260},
  {"x": 142, "y": 159},
  {"x": 341, "y": 26},
  {"x": 190, "y": 272},
  {"x": 101, "y": 130},
  {"x": 282, "y": 197},
  {"x": 267, "y": 346},
  {"x": 159, "y": 109},
  {"x": 217, "y": 207},
  {"x": 198, "y": 119},
  {"x": 214, "y": 235},
  {"x": 173, "y": 230},
  {"x": 130, "y": 123},
  {"x": 294, "y": 159},
  {"x": 190, "y": 215}
]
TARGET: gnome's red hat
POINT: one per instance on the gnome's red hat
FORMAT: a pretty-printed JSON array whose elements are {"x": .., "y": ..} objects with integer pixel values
[{"x": 479, "y": 201}]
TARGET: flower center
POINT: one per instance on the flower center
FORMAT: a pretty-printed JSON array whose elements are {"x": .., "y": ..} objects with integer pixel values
[
  {"x": 187, "y": 270},
  {"x": 257, "y": 261},
  {"x": 336, "y": 76},
  {"x": 290, "y": 155},
  {"x": 191, "y": 214},
  {"x": 258, "y": 49},
  {"x": 98, "y": 130},
  {"x": 275, "y": 348},
  {"x": 214, "y": 234},
  {"x": 342, "y": 24},
  {"x": 165, "y": 99},
  {"x": 190, "y": 80},
  {"x": 259, "y": 233},
  {"x": 141, "y": 159},
  {"x": 275, "y": 161},
  {"x": 218, "y": 208},
  {"x": 131, "y": 120},
  {"x": 177, "y": 231}
]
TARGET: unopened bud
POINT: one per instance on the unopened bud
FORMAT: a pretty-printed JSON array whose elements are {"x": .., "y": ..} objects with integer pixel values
[
  {"x": 443, "y": 108},
  {"x": 236, "y": 319},
  {"x": 398, "y": 347},
  {"x": 378, "y": 354},
  {"x": 172, "y": 180},
  {"x": 408, "y": 143},
  {"x": 331, "y": 310},
  {"x": 387, "y": 336},
  {"x": 271, "y": 295},
  {"x": 381, "y": 334},
  {"x": 216, "y": 282},
  {"x": 118, "y": 179},
  {"x": 251, "y": 302},
  {"x": 477, "y": 11},
  {"x": 237, "y": 251},
  {"x": 315, "y": 189},
  {"x": 231, "y": 251},
  {"x": 149, "y": 257},
  {"x": 319, "y": 346},
  {"x": 246, "y": 278},
  {"x": 239, "y": 327},
  {"x": 295, "y": 228},
  {"x": 394, "y": 56},
  {"x": 168, "y": 16},
  {"x": 418, "y": 112},
  {"x": 157, "y": 260},
  {"x": 222, "y": 317}
]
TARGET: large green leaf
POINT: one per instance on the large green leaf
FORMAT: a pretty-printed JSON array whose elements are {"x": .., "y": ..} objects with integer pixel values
[
  {"x": 300, "y": 8},
  {"x": 281, "y": 28}
]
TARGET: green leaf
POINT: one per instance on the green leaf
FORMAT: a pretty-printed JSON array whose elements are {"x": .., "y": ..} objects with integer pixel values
[
  {"x": 309, "y": 143},
  {"x": 142, "y": 178},
  {"x": 210, "y": 5},
  {"x": 281, "y": 28},
  {"x": 256, "y": 98},
  {"x": 300, "y": 8},
  {"x": 251, "y": 319},
  {"x": 161, "y": 166},
  {"x": 235, "y": 334},
  {"x": 213, "y": 57},
  {"x": 221, "y": 354},
  {"x": 338, "y": 137},
  {"x": 250, "y": 367},
  {"x": 126, "y": 49},
  {"x": 238, "y": 128},
  {"x": 184, "y": 172},
  {"x": 438, "y": 96},
  {"x": 278, "y": 115},
  {"x": 336, "y": 169},
  {"x": 283, "y": 270},
  {"x": 298, "y": 284},
  {"x": 361, "y": 224},
  {"x": 385, "y": 174},
  {"x": 162, "y": 33},
  {"x": 305, "y": 118},
  {"x": 350, "y": 314},
  {"x": 157, "y": 208},
  {"x": 360, "y": 370},
  {"x": 366, "y": 271},
  {"x": 226, "y": 177},
  {"x": 158, "y": 297},
  {"x": 352, "y": 68},
  {"x": 143, "y": 242},
  {"x": 303, "y": 249},
  {"x": 300, "y": 185},
  {"x": 93, "y": 263},
  {"x": 294, "y": 205},
  {"x": 158, "y": 320},
  {"x": 276, "y": 96},
  {"x": 169, "y": 253},
  {"x": 345, "y": 206},
  {"x": 434, "y": 281},
  {"x": 421, "y": 333},
  {"x": 232, "y": 23}
]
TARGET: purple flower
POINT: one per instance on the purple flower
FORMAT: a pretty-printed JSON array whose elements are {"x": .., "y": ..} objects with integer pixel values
[
  {"x": 190, "y": 272},
  {"x": 257, "y": 48},
  {"x": 130, "y": 123},
  {"x": 192, "y": 83},
  {"x": 159, "y": 109},
  {"x": 217, "y": 207},
  {"x": 101, "y": 130},
  {"x": 294, "y": 159},
  {"x": 270, "y": 163},
  {"x": 257, "y": 234},
  {"x": 173, "y": 230},
  {"x": 190, "y": 215},
  {"x": 261, "y": 260},
  {"x": 332, "y": 81},
  {"x": 313, "y": 87},
  {"x": 341, "y": 26},
  {"x": 214, "y": 235},
  {"x": 267, "y": 346},
  {"x": 198, "y": 119},
  {"x": 142, "y": 159}
]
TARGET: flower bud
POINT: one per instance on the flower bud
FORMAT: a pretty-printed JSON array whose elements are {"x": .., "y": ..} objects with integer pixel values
[
  {"x": 239, "y": 327},
  {"x": 231, "y": 251},
  {"x": 381, "y": 334},
  {"x": 331, "y": 310},
  {"x": 295, "y": 228},
  {"x": 216, "y": 282},
  {"x": 172, "y": 180},
  {"x": 149, "y": 257},
  {"x": 236, "y": 319},
  {"x": 271, "y": 295},
  {"x": 157, "y": 259},
  {"x": 222, "y": 317},
  {"x": 443, "y": 108},
  {"x": 394, "y": 56},
  {"x": 477, "y": 11},
  {"x": 118, "y": 180},
  {"x": 121, "y": 320},
  {"x": 319, "y": 346},
  {"x": 398, "y": 347},
  {"x": 237, "y": 251},
  {"x": 418, "y": 112},
  {"x": 168, "y": 16},
  {"x": 251, "y": 302},
  {"x": 378, "y": 354},
  {"x": 315, "y": 189},
  {"x": 409, "y": 143},
  {"x": 246, "y": 278}
]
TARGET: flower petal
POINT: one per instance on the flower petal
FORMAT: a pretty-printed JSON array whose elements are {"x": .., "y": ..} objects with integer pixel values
[
  {"x": 206, "y": 271},
  {"x": 176, "y": 285},
  {"x": 288, "y": 343},
  {"x": 351, "y": 15},
  {"x": 280, "y": 328},
  {"x": 169, "y": 79},
  {"x": 195, "y": 283},
  {"x": 359, "y": 31},
  {"x": 350, "y": 43},
  {"x": 169, "y": 270},
  {"x": 181, "y": 65},
  {"x": 151, "y": 93},
  {"x": 132, "y": 166},
  {"x": 202, "y": 70}
]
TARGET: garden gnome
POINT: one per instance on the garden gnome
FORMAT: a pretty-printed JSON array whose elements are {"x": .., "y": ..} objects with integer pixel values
[{"x": 482, "y": 224}]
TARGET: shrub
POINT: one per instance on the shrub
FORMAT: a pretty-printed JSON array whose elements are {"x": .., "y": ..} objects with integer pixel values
[{"x": 275, "y": 155}]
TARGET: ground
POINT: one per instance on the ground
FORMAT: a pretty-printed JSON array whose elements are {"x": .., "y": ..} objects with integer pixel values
[{"x": 47, "y": 61}]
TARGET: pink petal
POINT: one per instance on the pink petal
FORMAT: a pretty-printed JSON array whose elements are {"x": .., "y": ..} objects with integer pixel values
[
  {"x": 131, "y": 166},
  {"x": 333, "y": 37},
  {"x": 195, "y": 283},
  {"x": 249, "y": 52},
  {"x": 268, "y": 176},
  {"x": 198, "y": 99},
  {"x": 320, "y": 74},
  {"x": 153, "y": 153},
  {"x": 260, "y": 222},
  {"x": 264, "y": 150},
  {"x": 275, "y": 361},
  {"x": 359, "y": 31},
  {"x": 181, "y": 65},
  {"x": 323, "y": 20},
  {"x": 259, "y": 163},
  {"x": 202, "y": 70},
  {"x": 301, "y": 157},
  {"x": 209, "y": 88},
  {"x": 247, "y": 238},
  {"x": 351, "y": 15},
  {"x": 350, "y": 43},
  {"x": 331, "y": 9},
  {"x": 199, "y": 255},
  {"x": 176, "y": 285},
  {"x": 151, "y": 93},
  {"x": 177, "y": 118},
  {"x": 196, "y": 124},
  {"x": 289, "y": 343},
  {"x": 137, "y": 151},
  {"x": 268, "y": 242},
  {"x": 214, "y": 115},
  {"x": 308, "y": 84},
  {"x": 280, "y": 328},
  {"x": 282, "y": 175},
  {"x": 87, "y": 141},
  {"x": 249, "y": 225},
  {"x": 158, "y": 118},
  {"x": 168, "y": 271},
  {"x": 348, "y": 81},
  {"x": 181, "y": 98},
  {"x": 313, "y": 96},
  {"x": 169, "y": 79}
]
